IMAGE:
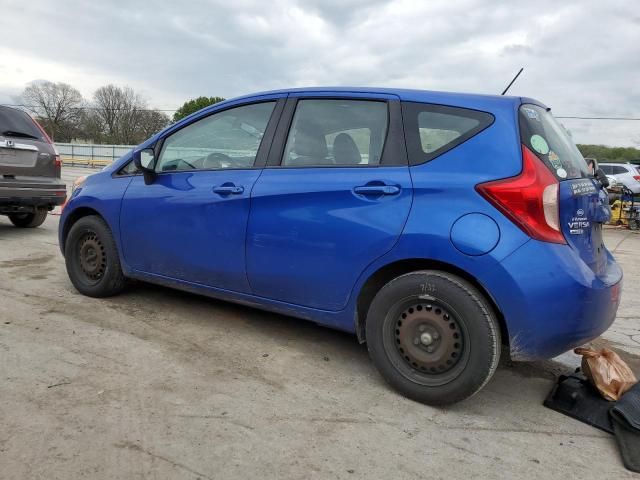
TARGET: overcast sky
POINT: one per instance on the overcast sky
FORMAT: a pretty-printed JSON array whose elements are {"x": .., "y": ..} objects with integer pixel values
[{"x": 580, "y": 57}]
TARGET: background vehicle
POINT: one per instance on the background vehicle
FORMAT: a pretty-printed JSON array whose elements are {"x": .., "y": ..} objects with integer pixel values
[
  {"x": 30, "y": 183},
  {"x": 626, "y": 174},
  {"x": 402, "y": 216}
]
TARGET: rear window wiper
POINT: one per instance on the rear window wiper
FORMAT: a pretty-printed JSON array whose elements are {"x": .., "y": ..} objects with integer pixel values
[{"x": 13, "y": 133}]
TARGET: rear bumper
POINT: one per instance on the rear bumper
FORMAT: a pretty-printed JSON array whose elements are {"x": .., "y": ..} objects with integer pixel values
[
  {"x": 18, "y": 194},
  {"x": 552, "y": 301}
]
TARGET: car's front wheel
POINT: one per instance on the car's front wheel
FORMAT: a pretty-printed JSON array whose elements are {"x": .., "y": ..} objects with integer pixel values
[
  {"x": 92, "y": 260},
  {"x": 433, "y": 336},
  {"x": 29, "y": 220}
]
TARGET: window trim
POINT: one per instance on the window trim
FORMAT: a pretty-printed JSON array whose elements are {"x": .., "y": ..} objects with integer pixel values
[
  {"x": 393, "y": 149},
  {"x": 410, "y": 112}
]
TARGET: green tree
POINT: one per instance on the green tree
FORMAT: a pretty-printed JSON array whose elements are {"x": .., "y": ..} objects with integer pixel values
[
  {"x": 603, "y": 153},
  {"x": 194, "y": 105}
]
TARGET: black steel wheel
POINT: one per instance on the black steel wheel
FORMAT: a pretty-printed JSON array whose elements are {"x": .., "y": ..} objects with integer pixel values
[
  {"x": 429, "y": 341},
  {"x": 433, "y": 336},
  {"x": 91, "y": 258}
]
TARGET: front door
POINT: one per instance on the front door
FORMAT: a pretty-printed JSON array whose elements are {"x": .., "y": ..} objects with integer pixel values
[
  {"x": 190, "y": 223},
  {"x": 334, "y": 197}
]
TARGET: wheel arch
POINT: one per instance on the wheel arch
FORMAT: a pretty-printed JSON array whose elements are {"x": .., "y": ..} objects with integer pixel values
[
  {"x": 72, "y": 218},
  {"x": 388, "y": 272}
]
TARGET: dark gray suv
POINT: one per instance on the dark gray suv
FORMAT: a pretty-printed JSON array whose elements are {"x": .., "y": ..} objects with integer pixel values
[{"x": 30, "y": 167}]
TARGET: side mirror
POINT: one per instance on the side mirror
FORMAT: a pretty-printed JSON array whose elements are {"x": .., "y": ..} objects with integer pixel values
[{"x": 145, "y": 162}]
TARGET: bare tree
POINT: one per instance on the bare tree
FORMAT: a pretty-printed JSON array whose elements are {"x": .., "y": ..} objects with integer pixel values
[
  {"x": 125, "y": 116},
  {"x": 151, "y": 122},
  {"x": 57, "y": 106}
]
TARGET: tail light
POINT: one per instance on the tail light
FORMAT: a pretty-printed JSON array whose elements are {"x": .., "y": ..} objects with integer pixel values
[
  {"x": 637, "y": 177},
  {"x": 530, "y": 199},
  {"x": 44, "y": 133},
  {"x": 57, "y": 162}
]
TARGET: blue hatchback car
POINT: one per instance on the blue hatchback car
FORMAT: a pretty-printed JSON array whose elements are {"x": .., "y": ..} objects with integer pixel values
[{"x": 440, "y": 228}]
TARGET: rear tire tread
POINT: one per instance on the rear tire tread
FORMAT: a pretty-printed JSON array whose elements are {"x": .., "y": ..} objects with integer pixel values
[{"x": 29, "y": 220}]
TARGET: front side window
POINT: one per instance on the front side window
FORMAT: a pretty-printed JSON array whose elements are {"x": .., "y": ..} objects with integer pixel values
[
  {"x": 336, "y": 132},
  {"x": 432, "y": 130},
  {"x": 228, "y": 139}
]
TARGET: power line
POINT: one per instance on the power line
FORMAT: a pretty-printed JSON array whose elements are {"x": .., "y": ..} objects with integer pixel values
[
  {"x": 600, "y": 118},
  {"x": 571, "y": 117},
  {"x": 93, "y": 108}
]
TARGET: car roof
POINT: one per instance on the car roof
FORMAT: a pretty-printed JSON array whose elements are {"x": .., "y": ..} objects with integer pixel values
[
  {"x": 618, "y": 164},
  {"x": 469, "y": 100}
]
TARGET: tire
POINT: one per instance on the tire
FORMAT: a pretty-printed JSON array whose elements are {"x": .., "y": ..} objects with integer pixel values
[
  {"x": 29, "y": 220},
  {"x": 92, "y": 259},
  {"x": 433, "y": 337}
]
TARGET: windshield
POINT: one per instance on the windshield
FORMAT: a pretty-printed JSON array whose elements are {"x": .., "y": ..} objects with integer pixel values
[{"x": 551, "y": 143}]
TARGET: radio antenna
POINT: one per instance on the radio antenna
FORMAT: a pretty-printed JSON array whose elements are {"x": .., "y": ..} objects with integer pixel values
[{"x": 514, "y": 79}]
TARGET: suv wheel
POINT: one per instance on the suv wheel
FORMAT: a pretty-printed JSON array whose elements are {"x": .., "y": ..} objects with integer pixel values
[
  {"x": 92, "y": 258},
  {"x": 29, "y": 220},
  {"x": 433, "y": 337}
]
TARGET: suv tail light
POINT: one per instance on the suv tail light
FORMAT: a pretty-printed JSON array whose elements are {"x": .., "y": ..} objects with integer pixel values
[
  {"x": 530, "y": 199},
  {"x": 637, "y": 177},
  {"x": 44, "y": 133}
]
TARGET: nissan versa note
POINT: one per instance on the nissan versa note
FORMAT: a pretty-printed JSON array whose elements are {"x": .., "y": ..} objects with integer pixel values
[{"x": 439, "y": 228}]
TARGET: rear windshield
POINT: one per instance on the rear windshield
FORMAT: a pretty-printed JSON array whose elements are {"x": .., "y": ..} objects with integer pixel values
[
  {"x": 18, "y": 124},
  {"x": 545, "y": 137}
]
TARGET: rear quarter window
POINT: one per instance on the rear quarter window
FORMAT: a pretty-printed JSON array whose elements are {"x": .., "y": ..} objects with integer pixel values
[{"x": 432, "y": 130}]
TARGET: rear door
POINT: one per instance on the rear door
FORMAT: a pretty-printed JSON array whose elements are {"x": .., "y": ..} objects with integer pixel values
[
  {"x": 334, "y": 197},
  {"x": 584, "y": 205},
  {"x": 25, "y": 149}
]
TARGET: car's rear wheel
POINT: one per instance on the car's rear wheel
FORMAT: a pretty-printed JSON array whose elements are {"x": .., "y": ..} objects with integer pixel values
[
  {"x": 433, "y": 337},
  {"x": 92, "y": 260},
  {"x": 29, "y": 220}
]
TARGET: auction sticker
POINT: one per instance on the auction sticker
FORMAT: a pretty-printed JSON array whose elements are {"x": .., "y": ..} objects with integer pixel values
[
  {"x": 539, "y": 144},
  {"x": 582, "y": 187}
]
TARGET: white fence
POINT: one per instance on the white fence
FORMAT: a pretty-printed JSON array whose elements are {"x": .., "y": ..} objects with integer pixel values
[{"x": 87, "y": 154}]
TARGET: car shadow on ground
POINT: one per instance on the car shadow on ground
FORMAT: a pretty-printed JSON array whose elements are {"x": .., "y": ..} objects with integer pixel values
[{"x": 243, "y": 323}]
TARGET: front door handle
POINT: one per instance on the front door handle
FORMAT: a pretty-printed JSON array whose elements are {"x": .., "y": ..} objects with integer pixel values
[
  {"x": 377, "y": 190},
  {"x": 228, "y": 189}
]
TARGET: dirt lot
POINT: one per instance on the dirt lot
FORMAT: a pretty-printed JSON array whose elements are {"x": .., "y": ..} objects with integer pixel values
[{"x": 162, "y": 384}]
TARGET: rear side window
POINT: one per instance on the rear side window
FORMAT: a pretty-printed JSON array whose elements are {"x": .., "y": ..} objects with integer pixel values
[
  {"x": 336, "y": 133},
  {"x": 550, "y": 142},
  {"x": 432, "y": 130},
  {"x": 16, "y": 123}
]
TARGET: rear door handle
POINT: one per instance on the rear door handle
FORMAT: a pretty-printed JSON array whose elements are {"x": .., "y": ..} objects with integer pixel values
[
  {"x": 377, "y": 190},
  {"x": 227, "y": 189}
]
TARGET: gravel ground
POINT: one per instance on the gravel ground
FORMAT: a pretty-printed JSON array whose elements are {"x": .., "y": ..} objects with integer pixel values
[{"x": 162, "y": 384}]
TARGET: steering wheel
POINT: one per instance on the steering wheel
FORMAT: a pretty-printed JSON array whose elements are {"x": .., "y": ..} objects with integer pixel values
[{"x": 217, "y": 160}]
